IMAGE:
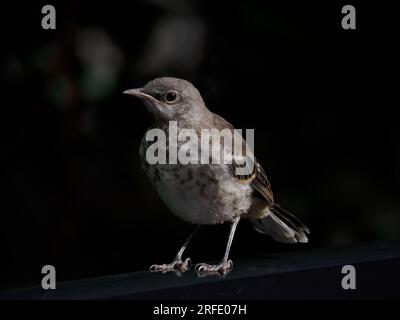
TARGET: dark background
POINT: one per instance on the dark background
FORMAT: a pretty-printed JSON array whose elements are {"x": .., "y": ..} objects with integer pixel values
[{"x": 322, "y": 101}]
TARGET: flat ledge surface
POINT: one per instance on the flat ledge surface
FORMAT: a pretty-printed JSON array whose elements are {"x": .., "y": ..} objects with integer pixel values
[{"x": 308, "y": 274}]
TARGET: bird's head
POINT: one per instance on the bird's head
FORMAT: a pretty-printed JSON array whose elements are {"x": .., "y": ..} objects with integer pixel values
[{"x": 170, "y": 98}]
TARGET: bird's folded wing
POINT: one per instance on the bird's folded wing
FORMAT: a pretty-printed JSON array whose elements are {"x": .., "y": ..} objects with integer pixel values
[
  {"x": 257, "y": 179},
  {"x": 245, "y": 167}
]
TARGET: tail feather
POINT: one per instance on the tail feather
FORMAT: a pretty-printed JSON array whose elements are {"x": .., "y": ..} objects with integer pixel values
[{"x": 282, "y": 226}]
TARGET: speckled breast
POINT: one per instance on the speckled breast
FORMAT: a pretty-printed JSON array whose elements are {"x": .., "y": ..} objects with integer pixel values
[{"x": 198, "y": 193}]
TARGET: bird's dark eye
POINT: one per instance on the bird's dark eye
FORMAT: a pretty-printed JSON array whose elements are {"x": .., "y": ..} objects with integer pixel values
[{"x": 171, "y": 97}]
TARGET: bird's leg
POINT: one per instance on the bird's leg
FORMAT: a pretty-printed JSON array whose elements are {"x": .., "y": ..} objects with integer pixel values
[
  {"x": 225, "y": 266},
  {"x": 177, "y": 265}
]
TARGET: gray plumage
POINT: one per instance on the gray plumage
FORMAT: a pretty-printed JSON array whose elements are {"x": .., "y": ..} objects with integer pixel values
[{"x": 210, "y": 193}]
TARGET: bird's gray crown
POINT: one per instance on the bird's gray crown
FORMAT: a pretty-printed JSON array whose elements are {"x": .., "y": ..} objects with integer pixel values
[{"x": 160, "y": 86}]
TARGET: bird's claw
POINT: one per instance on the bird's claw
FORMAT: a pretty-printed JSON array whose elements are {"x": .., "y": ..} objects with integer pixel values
[
  {"x": 178, "y": 266},
  {"x": 221, "y": 269}
]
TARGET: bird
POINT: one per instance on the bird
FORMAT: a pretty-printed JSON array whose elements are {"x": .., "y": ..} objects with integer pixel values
[{"x": 208, "y": 193}]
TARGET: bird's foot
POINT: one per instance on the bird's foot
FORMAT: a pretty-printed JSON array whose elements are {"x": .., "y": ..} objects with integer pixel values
[
  {"x": 178, "y": 266},
  {"x": 221, "y": 269}
]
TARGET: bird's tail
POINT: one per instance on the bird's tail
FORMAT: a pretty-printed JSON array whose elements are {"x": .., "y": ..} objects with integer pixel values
[{"x": 282, "y": 226}]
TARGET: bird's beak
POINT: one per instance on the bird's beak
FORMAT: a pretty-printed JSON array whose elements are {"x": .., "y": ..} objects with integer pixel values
[{"x": 140, "y": 94}]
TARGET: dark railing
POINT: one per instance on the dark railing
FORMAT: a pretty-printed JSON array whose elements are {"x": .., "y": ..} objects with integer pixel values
[{"x": 309, "y": 274}]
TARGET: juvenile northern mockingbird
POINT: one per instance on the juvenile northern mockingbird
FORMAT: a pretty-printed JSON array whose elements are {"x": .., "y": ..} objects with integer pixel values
[{"x": 208, "y": 193}]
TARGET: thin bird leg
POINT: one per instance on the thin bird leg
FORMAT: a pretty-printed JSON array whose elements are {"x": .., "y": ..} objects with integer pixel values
[
  {"x": 177, "y": 265},
  {"x": 230, "y": 239},
  {"x": 225, "y": 266},
  {"x": 183, "y": 248}
]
